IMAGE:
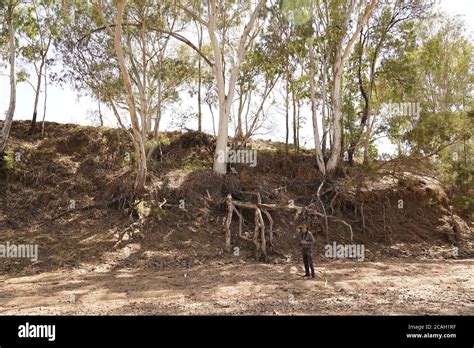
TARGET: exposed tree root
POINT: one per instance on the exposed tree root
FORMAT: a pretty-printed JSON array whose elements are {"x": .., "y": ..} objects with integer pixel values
[{"x": 263, "y": 235}]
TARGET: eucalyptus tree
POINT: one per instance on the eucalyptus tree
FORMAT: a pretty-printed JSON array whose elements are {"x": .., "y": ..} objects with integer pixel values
[
  {"x": 202, "y": 82},
  {"x": 375, "y": 43},
  {"x": 226, "y": 50},
  {"x": 38, "y": 29},
  {"x": 335, "y": 25},
  {"x": 257, "y": 80},
  {"x": 8, "y": 8},
  {"x": 268, "y": 67},
  {"x": 438, "y": 75},
  {"x": 431, "y": 64},
  {"x": 286, "y": 39},
  {"x": 342, "y": 16},
  {"x": 122, "y": 56}
]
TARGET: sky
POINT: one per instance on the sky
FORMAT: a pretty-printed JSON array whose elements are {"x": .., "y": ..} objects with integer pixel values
[{"x": 64, "y": 105}]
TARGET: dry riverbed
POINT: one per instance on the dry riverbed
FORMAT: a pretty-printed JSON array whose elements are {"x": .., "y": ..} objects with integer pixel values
[{"x": 244, "y": 288}]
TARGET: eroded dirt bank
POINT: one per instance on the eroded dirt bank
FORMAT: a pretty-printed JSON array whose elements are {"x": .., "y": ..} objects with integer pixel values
[{"x": 103, "y": 251}]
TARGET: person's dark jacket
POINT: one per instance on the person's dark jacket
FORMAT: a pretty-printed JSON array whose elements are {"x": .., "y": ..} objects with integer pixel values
[{"x": 309, "y": 238}]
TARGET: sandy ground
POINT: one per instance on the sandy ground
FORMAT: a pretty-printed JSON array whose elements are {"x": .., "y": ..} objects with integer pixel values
[{"x": 241, "y": 288}]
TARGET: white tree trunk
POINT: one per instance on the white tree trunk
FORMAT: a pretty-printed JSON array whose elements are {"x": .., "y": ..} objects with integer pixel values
[
  {"x": 12, "y": 104},
  {"x": 225, "y": 98},
  {"x": 324, "y": 105},
  {"x": 334, "y": 158},
  {"x": 136, "y": 132},
  {"x": 37, "y": 94},
  {"x": 338, "y": 68},
  {"x": 314, "y": 112},
  {"x": 45, "y": 98}
]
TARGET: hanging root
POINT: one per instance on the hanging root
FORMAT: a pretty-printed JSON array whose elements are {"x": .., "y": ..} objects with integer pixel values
[
  {"x": 262, "y": 235},
  {"x": 326, "y": 225}
]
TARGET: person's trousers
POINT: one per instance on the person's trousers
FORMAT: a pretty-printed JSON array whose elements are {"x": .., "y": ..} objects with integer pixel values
[{"x": 308, "y": 262}]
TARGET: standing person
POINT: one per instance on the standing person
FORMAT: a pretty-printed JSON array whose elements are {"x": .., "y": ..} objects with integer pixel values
[{"x": 306, "y": 239}]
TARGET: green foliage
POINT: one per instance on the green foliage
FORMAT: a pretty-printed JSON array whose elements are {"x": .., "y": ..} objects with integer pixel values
[
  {"x": 158, "y": 213},
  {"x": 164, "y": 139},
  {"x": 128, "y": 159},
  {"x": 141, "y": 208},
  {"x": 455, "y": 165},
  {"x": 151, "y": 144},
  {"x": 298, "y": 12},
  {"x": 90, "y": 61},
  {"x": 194, "y": 166},
  {"x": 434, "y": 68},
  {"x": 9, "y": 160},
  {"x": 84, "y": 184},
  {"x": 373, "y": 151}
]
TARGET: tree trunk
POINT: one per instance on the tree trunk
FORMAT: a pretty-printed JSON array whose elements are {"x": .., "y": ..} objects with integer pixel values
[
  {"x": 338, "y": 68},
  {"x": 239, "y": 133},
  {"x": 199, "y": 82},
  {"x": 323, "y": 109},
  {"x": 37, "y": 94},
  {"x": 12, "y": 104},
  {"x": 223, "y": 127},
  {"x": 159, "y": 103},
  {"x": 368, "y": 133},
  {"x": 298, "y": 117},
  {"x": 314, "y": 112},
  {"x": 295, "y": 138},
  {"x": 225, "y": 101},
  {"x": 101, "y": 117},
  {"x": 136, "y": 133},
  {"x": 45, "y": 98},
  {"x": 287, "y": 106},
  {"x": 44, "y": 55},
  {"x": 335, "y": 155},
  {"x": 146, "y": 118},
  {"x": 363, "y": 120}
]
